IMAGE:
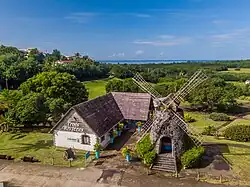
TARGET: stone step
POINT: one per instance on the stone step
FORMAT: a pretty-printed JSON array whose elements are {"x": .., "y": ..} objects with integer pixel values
[
  {"x": 171, "y": 166},
  {"x": 165, "y": 161},
  {"x": 165, "y": 157},
  {"x": 164, "y": 168}
]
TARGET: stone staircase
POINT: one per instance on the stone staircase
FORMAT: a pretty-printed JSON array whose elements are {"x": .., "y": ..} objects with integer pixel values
[{"x": 165, "y": 162}]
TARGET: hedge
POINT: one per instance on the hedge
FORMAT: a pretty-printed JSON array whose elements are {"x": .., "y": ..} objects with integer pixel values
[
  {"x": 149, "y": 157},
  {"x": 219, "y": 117},
  {"x": 192, "y": 157},
  {"x": 238, "y": 133},
  {"x": 209, "y": 131},
  {"x": 144, "y": 150}
]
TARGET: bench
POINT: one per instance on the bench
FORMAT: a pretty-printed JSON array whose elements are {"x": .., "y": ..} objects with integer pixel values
[
  {"x": 3, "y": 156},
  {"x": 29, "y": 159}
]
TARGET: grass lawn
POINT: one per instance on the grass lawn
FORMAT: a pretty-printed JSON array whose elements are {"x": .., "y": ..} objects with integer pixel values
[
  {"x": 239, "y": 157},
  {"x": 237, "y": 122},
  {"x": 96, "y": 88},
  {"x": 38, "y": 145},
  {"x": 242, "y": 70},
  {"x": 237, "y": 83},
  {"x": 202, "y": 120}
]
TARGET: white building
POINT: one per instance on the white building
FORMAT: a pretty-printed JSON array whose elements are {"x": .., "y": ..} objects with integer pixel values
[
  {"x": 87, "y": 122},
  {"x": 247, "y": 82}
]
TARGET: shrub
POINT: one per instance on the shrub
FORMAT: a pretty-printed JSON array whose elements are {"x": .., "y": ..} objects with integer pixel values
[
  {"x": 145, "y": 150},
  {"x": 126, "y": 151},
  {"x": 219, "y": 117},
  {"x": 144, "y": 146},
  {"x": 149, "y": 158},
  {"x": 188, "y": 118},
  {"x": 238, "y": 133},
  {"x": 98, "y": 146},
  {"x": 192, "y": 157},
  {"x": 209, "y": 131}
]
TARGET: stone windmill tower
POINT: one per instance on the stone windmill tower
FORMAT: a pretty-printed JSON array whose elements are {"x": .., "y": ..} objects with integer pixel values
[{"x": 167, "y": 128}]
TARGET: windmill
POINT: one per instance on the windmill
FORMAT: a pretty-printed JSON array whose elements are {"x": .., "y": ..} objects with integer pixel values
[{"x": 168, "y": 119}]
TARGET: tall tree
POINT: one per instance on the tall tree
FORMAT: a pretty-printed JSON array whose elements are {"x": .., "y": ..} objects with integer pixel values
[
  {"x": 8, "y": 67},
  {"x": 56, "y": 54}
]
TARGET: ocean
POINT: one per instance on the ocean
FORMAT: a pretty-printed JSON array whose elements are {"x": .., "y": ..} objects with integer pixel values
[{"x": 152, "y": 61}]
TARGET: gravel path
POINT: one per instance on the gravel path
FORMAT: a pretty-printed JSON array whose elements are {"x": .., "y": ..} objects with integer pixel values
[{"x": 35, "y": 175}]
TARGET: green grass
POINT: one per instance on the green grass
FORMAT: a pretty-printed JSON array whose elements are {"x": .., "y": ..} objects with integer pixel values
[
  {"x": 237, "y": 83},
  {"x": 38, "y": 145},
  {"x": 239, "y": 157},
  {"x": 242, "y": 70},
  {"x": 202, "y": 120},
  {"x": 237, "y": 122},
  {"x": 96, "y": 88}
]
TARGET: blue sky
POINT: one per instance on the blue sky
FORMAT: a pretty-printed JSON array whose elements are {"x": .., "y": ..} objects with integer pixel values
[{"x": 130, "y": 29}]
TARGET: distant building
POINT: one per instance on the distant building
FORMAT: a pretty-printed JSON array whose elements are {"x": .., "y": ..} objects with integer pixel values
[
  {"x": 63, "y": 61},
  {"x": 87, "y": 122}
]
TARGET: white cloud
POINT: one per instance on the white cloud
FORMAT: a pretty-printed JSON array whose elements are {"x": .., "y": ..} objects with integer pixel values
[
  {"x": 166, "y": 36},
  {"x": 81, "y": 17},
  {"x": 84, "y": 17},
  {"x": 139, "y": 52},
  {"x": 117, "y": 55},
  {"x": 165, "y": 41},
  {"x": 219, "y": 22},
  {"x": 139, "y": 15},
  {"x": 236, "y": 36}
]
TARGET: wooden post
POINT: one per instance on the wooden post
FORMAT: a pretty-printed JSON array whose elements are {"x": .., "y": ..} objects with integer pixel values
[
  {"x": 220, "y": 178},
  {"x": 198, "y": 176},
  {"x": 69, "y": 162}
]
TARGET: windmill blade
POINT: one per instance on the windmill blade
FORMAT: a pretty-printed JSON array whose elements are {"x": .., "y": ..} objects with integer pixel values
[
  {"x": 189, "y": 130},
  {"x": 196, "y": 79},
  {"x": 145, "y": 86},
  {"x": 155, "y": 122}
]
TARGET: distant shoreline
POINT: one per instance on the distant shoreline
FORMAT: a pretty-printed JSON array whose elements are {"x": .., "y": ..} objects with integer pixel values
[{"x": 159, "y": 61}]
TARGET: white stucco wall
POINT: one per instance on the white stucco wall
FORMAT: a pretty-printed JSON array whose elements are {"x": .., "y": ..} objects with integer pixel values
[{"x": 61, "y": 140}]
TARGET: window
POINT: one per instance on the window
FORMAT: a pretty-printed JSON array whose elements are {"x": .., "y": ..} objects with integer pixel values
[
  {"x": 85, "y": 139},
  {"x": 102, "y": 138}
]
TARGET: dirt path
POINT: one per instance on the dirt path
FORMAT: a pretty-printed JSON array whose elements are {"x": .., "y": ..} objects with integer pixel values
[{"x": 35, "y": 175}]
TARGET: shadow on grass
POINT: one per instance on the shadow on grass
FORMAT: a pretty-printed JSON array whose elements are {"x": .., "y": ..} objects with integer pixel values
[
  {"x": 214, "y": 157},
  {"x": 17, "y": 136},
  {"x": 40, "y": 144}
]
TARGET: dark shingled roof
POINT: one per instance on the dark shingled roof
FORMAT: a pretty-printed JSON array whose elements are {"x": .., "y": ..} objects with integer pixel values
[
  {"x": 134, "y": 106},
  {"x": 103, "y": 112}
]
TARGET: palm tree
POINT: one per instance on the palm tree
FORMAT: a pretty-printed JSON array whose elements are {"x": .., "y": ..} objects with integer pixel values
[{"x": 77, "y": 55}]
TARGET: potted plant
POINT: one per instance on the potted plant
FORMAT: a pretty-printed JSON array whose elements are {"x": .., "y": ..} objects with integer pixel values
[
  {"x": 97, "y": 148},
  {"x": 139, "y": 125},
  {"x": 115, "y": 133},
  {"x": 120, "y": 128},
  {"x": 126, "y": 152},
  {"x": 111, "y": 137}
]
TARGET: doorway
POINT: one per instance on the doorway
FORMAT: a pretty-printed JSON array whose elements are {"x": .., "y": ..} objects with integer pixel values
[{"x": 166, "y": 145}]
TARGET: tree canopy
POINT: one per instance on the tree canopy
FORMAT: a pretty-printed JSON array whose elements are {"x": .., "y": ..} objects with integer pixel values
[{"x": 46, "y": 95}]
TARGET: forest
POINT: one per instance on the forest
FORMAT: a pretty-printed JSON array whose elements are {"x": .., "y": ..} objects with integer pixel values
[{"x": 37, "y": 90}]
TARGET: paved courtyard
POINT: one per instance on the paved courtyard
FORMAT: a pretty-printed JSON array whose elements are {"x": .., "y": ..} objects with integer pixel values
[{"x": 35, "y": 175}]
